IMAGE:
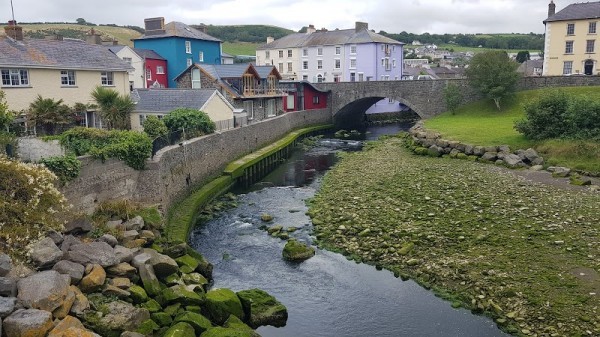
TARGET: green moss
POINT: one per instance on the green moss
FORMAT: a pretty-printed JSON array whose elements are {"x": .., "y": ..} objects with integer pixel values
[
  {"x": 172, "y": 309},
  {"x": 262, "y": 308},
  {"x": 220, "y": 303},
  {"x": 147, "y": 327},
  {"x": 406, "y": 248},
  {"x": 228, "y": 332},
  {"x": 179, "y": 294},
  {"x": 297, "y": 251},
  {"x": 235, "y": 323},
  {"x": 151, "y": 305},
  {"x": 151, "y": 216},
  {"x": 187, "y": 260},
  {"x": 162, "y": 318},
  {"x": 180, "y": 329},
  {"x": 138, "y": 294},
  {"x": 196, "y": 320},
  {"x": 195, "y": 278}
]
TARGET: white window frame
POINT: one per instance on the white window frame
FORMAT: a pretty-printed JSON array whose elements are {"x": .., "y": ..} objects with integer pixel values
[
  {"x": 189, "y": 61},
  {"x": 361, "y": 77},
  {"x": 353, "y": 49},
  {"x": 201, "y": 56},
  {"x": 196, "y": 81},
  {"x": 281, "y": 54},
  {"x": 305, "y": 52},
  {"x": 188, "y": 47},
  {"x": 160, "y": 70},
  {"x": 14, "y": 77},
  {"x": 267, "y": 54},
  {"x": 352, "y": 63},
  {"x": 590, "y": 46},
  {"x": 280, "y": 67},
  {"x": 319, "y": 64},
  {"x": 304, "y": 65},
  {"x": 352, "y": 77},
  {"x": 148, "y": 74},
  {"x": 67, "y": 78},
  {"x": 320, "y": 51},
  {"x": 305, "y": 77},
  {"x": 337, "y": 64},
  {"x": 338, "y": 50},
  {"x": 290, "y": 67},
  {"x": 570, "y": 29},
  {"x": 567, "y": 67},
  {"x": 107, "y": 79},
  {"x": 592, "y": 27},
  {"x": 290, "y": 53},
  {"x": 569, "y": 46}
]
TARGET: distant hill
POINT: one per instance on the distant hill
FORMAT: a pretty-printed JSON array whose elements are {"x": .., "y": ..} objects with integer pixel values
[{"x": 246, "y": 33}]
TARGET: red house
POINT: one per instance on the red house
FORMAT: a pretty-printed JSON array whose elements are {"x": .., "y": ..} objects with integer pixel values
[
  {"x": 303, "y": 95},
  {"x": 155, "y": 68}
]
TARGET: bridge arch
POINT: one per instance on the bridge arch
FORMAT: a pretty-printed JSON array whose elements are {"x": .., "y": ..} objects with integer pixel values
[{"x": 353, "y": 113}]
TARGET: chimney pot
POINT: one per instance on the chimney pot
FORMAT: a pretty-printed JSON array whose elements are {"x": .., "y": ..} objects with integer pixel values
[
  {"x": 154, "y": 26},
  {"x": 361, "y": 26},
  {"x": 13, "y": 31},
  {"x": 551, "y": 8},
  {"x": 311, "y": 29},
  {"x": 270, "y": 39}
]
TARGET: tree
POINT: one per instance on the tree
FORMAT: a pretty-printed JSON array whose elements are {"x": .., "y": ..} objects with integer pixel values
[
  {"x": 81, "y": 21},
  {"x": 190, "y": 122},
  {"x": 452, "y": 96},
  {"x": 6, "y": 116},
  {"x": 155, "y": 127},
  {"x": 115, "y": 108},
  {"x": 49, "y": 113},
  {"x": 523, "y": 56},
  {"x": 493, "y": 74}
]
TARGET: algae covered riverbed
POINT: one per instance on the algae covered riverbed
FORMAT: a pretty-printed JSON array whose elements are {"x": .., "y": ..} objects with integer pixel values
[{"x": 525, "y": 253}]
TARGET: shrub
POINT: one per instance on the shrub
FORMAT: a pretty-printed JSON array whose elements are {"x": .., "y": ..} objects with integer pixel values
[
  {"x": 30, "y": 204},
  {"x": 193, "y": 123},
  {"x": 66, "y": 168},
  {"x": 155, "y": 127}
]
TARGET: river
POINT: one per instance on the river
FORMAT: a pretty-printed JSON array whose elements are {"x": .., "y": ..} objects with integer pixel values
[{"x": 326, "y": 295}]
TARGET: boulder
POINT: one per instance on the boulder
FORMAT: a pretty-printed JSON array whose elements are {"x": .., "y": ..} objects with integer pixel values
[
  {"x": 262, "y": 309},
  {"x": 531, "y": 155},
  {"x": 478, "y": 150},
  {"x": 122, "y": 316},
  {"x": 74, "y": 270},
  {"x": 180, "y": 329},
  {"x": 65, "y": 324},
  {"x": 560, "y": 172},
  {"x": 46, "y": 290},
  {"x": 122, "y": 269},
  {"x": 138, "y": 294},
  {"x": 220, "y": 303},
  {"x": 115, "y": 225},
  {"x": 435, "y": 151},
  {"x": 124, "y": 254},
  {"x": 162, "y": 264},
  {"x": 7, "y": 306},
  {"x": 235, "y": 323},
  {"x": 45, "y": 253},
  {"x": 5, "y": 264},
  {"x": 537, "y": 168},
  {"x": 297, "y": 251},
  {"x": 131, "y": 334},
  {"x": 28, "y": 323},
  {"x": 55, "y": 236},
  {"x": 110, "y": 239},
  {"x": 64, "y": 309},
  {"x": 130, "y": 235},
  {"x": 94, "y": 280},
  {"x": 187, "y": 260},
  {"x": 228, "y": 332},
  {"x": 195, "y": 278},
  {"x": 94, "y": 252},
  {"x": 490, "y": 149},
  {"x": 136, "y": 224},
  {"x": 204, "y": 267},
  {"x": 68, "y": 241},
  {"x": 110, "y": 290},
  {"x": 147, "y": 235},
  {"x": 78, "y": 226},
  {"x": 489, "y": 156},
  {"x": 146, "y": 273},
  {"x": 81, "y": 303},
  {"x": 177, "y": 250},
  {"x": 504, "y": 148},
  {"x": 197, "y": 321},
  {"x": 120, "y": 282},
  {"x": 8, "y": 287},
  {"x": 468, "y": 149},
  {"x": 538, "y": 161},
  {"x": 580, "y": 180},
  {"x": 513, "y": 160},
  {"x": 180, "y": 294}
]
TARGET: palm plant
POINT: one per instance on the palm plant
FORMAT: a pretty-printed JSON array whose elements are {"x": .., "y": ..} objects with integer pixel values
[
  {"x": 49, "y": 113},
  {"x": 115, "y": 108}
]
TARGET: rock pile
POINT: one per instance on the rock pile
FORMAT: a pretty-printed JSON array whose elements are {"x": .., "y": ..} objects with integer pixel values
[{"x": 121, "y": 287}]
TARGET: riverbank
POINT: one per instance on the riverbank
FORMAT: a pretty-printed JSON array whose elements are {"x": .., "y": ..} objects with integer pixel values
[{"x": 522, "y": 252}]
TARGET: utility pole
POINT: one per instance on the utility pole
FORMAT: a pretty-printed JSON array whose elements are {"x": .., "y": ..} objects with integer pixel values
[{"x": 12, "y": 10}]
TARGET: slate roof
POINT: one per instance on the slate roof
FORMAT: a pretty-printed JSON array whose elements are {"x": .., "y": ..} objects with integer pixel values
[
  {"x": 219, "y": 71},
  {"x": 577, "y": 11},
  {"x": 66, "y": 54},
  {"x": 326, "y": 38},
  {"x": 167, "y": 100},
  {"x": 178, "y": 29},
  {"x": 148, "y": 54}
]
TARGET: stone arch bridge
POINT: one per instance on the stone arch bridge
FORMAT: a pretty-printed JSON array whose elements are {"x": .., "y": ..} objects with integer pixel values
[{"x": 349, "y": 100}]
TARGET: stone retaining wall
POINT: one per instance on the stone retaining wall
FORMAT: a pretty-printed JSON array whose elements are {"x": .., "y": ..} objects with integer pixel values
[
  {"x": 176, "y": 170},
  {"x": 33, "y": 149}
]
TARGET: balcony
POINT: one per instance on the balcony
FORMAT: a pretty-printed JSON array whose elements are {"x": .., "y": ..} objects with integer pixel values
[{"x": 263, "y": 92}]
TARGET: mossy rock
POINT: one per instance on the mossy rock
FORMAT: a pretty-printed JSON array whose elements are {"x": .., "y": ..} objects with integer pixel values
[
  {"x": 173, "y": 279},
  {"x": 461, "y": 156},
  {"x": 274, "y": 229},
  {"x": 292, "y": 229},
  {"x": 186, "y": 269},
  {"x": 235, "y": 323},
  {"x": 179, "y": 294},
  {"x": 197, "y": 321},
  {"x": 262, "y": 309},
  {"x": 283, "y": 236},
  {"x": 297, "y": 251},
  {"x": 195, "y": 278},
  {"x": 204, "y": 267},
  {"x": 147, "y": 327},
  {"x": 187, "y": 260},
  {"x": 422, "y": 151},
  {"x": 151, "y": 305},
  {"x": 406, "y": 248},
  {"x": 162, "y": 318},
  {"x": 181, "y": 329},
  {"x": 220, "y": 303},
  {"x": 578, "y": 180},
  {"x": 172, "y": 309},
  {"x": 194, "y": 308},
  {"x": 138, "y": 294},
  {"x": 266, "y": 217},
  {"x": 228, "y": 332}
]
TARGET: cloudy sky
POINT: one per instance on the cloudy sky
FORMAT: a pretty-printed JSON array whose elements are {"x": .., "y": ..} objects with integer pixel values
[{"x": 392, "y": 16}]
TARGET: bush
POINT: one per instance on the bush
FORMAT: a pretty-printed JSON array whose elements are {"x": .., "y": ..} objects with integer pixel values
[
  {"x": 558, "y": 115},
  {"x": 155, "y": 127},
  {"x": 192, "y": 123},
  {"x": 66, "y": 168}
]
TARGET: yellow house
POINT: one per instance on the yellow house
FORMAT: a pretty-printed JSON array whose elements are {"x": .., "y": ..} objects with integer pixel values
[
  {"x": 58, "y": 69},
  {"x": 571, "y": 46},
  {"x": 159, "y": 102}
]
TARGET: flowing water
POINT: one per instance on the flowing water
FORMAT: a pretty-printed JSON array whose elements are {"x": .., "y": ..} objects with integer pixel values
[{"x": 326, "y": 295}]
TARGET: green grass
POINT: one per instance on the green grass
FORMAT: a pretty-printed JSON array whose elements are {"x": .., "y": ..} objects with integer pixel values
[
  {"x": 122, "y": 34},
  {"x": 479, "y": 50},
  {"x": 240, "y": 48},
  {"x": 480, "y": 123}
]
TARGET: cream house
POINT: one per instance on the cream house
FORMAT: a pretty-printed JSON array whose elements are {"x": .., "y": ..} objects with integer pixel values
[
  {"x": 137, "y": 75},
  {"x": 159, "y": 102},
  {"x": 60, "y": 69},
  {"x": 571, "y": 46}
]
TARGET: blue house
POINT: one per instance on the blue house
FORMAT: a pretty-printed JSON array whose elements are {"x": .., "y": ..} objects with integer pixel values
[{"x": 180, "y": 44}]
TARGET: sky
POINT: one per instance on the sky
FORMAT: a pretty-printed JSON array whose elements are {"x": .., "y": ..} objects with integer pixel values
[{"x": 392, "y": 16}]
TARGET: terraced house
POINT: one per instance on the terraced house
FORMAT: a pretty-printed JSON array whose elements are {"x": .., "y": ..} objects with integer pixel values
[
  {"x": 571, "y": 46},
  {"x": 60, "y": 69}
]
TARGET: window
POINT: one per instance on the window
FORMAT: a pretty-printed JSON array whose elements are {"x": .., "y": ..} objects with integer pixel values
[
  {"x": 281, "y": 54},
  {"x": 589, "y": 46},
  {"x": 352, "y": 77},
  {"x": 320, "y": 51},
  {"x": 15, "y": 77},
  {"x": 280, "y": 68},
  {"x": 189, "y": 62},
  {"x": 390, "y": 100},
  {"x": 67, "y": 77},
  {"x": 361, "y": 77},
  {"x": 188, "y": 47},
  {"x": 249, "y": 107},
  {"x": 394, "y": 63},
  {"x": 289, "y": 53},
  {"x": 338, "y": 50},
  {"x": 160, "y": 69},
  {"x": 352, "y": 63},
  {"x": 305, "y": 77},
  {"x": 570, "y": 29},
  {"x": 336, "y": 78},
  {"x": 106, "y": 78},
  {"x": 289, "y": 67},
  {"x": 315, "y": 99},
  {"x": 268, "y": 54},
  {"x": 319, "y": 78},
  {"x": 304, "y": 52},
  {"x": 201, "y": 56},
  {"x": 569, "y": 47},
  {"x": 352, "y": 49},
  {"x": 319, "y": 64},
  {"x": 148, "y": 74},
  {"x": 592, "y": 28},
  {"x": 305, "y": 65},
  {"x": 196, "y": 84},
  {"x": 568, "y": 68},
  {"x": 127, "y": 59},
  {"x": 338, "y": 63}
]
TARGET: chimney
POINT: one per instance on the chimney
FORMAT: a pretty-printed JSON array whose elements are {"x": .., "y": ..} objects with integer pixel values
[
  {"x": 202, "y": 27},
  {"x": 551, "y": 8},
  {"x": 92, "y": 37},
  {"x": 361, "y": 26},
  {"x": 154, "y": 26},
  {"x": 270, "y": 39},
  {"x": 14, "y": 31},
  {"x": 311, "y": 29}
]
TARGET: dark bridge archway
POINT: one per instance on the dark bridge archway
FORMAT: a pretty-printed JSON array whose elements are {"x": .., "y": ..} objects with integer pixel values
[
  {"x": 353, "y": 113},
  {"x": 424, "y": 97}
]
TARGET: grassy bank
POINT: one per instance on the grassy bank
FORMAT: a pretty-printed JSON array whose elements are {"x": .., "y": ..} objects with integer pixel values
[
  {"x": 526, "y": 254},
  {"x": 480, "y": 123}
]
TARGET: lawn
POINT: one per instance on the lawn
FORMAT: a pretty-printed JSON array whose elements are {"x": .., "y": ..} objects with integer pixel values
[
  {"x": 240, "y": 48},
  {"x": 122, "y": 34},
  {"x": 480, "y": 123}
]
